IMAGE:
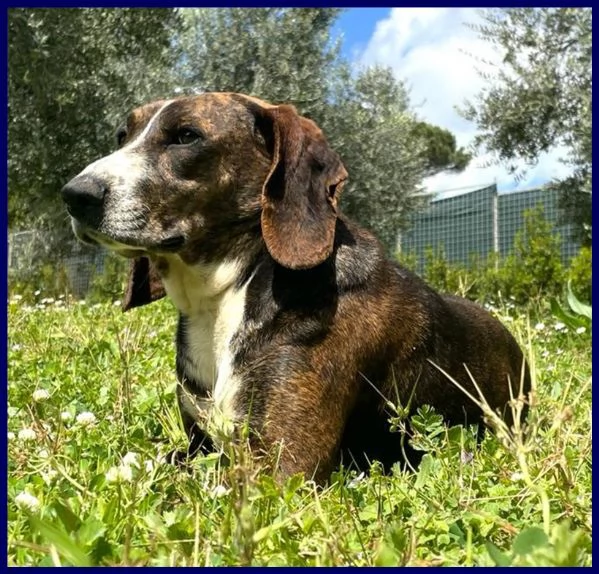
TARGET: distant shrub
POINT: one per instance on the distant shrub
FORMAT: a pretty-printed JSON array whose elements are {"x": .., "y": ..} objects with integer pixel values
[
  {"x": 446, "y": 277},
  {"x": 39, "y": 281},
  {"x": 108, "y": 285},
  {"x": 535, "y": 268},
  {"x": 580, "y": 274}
]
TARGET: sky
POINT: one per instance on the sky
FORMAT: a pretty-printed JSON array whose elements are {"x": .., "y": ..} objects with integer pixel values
[{"x": 433, "y": 51}]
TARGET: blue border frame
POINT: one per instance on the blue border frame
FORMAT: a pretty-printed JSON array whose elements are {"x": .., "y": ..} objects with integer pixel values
[{"x": 182, "y": 4}]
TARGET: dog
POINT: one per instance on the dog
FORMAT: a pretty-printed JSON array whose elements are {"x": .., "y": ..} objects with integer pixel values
[{"x": 292, "y": 319}]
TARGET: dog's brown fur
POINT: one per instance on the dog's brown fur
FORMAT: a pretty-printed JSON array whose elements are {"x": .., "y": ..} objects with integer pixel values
[{"x": 330, "y": 327}]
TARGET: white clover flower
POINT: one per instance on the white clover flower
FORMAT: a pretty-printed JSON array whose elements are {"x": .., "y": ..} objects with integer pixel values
[
  {"x": 11, "y": 436},
  {"x": 27, "y": 434},
  {"x": 112, "y": 474},
  {"x": 116, "y": 303},
  {"x": 16, "y": 347},
  {"x": 516, "y": 476},
  {"x": 27, "y": 501},
  {"x": 125, "y": 473},
  {"x": 540, "y": 326},
  {"x": 81, "y": 302},
  {"x": 581, "y": 330},
  {"x": 49, "y": 475},
  {"x": 355, "y": 481},
  {"x": 66, "y": 416},
  {"x": 86, "y": 419},
  {"x": 47, "y": 300},
  {"x": 17, "y": 297},
  {"x": 559, "y": 326},
  {"x": 37, "y": 292},
  {"x": 44, "y": 454},
  {"x": 40, "y": 395},
  {"x": 130, "y": 459},
  {"x": 219, "y": 490},
  {"x": 121, "y": 473}
]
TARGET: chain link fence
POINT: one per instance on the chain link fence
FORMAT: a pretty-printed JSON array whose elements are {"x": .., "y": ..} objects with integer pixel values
[
  {"x": 30, "y": 260},
  {"x": 479, "y": 223}
]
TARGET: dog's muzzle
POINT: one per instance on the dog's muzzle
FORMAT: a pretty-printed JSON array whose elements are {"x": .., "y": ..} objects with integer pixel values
[{"x": 85, "y": 198}]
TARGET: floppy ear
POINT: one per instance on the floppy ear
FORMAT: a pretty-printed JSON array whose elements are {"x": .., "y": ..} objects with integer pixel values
[
  {"x": 143, "y": 284},
  {"x": 299, "y": 197}
]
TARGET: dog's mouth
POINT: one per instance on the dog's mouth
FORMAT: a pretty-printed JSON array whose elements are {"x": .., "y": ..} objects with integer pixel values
[{"x": 127, "y": 246}]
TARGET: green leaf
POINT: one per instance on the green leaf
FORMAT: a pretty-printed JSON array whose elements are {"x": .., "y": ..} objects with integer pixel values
[
  {"x": 90, "y": 531},
  {"x": 266, "y": 531},
  {"x": 529, "y": 539},
  {"x": 97, "y": 481},
  {"x": 369, "y": 512},
  {"x": 577, "y": 306},
  {"x": 399, "y": 538},
  {"x": 69, "y": 519},
  {"x": 292, "y": 486},
  {"x": 386, "y": 556},
  {"x": 565, "y": 317},
  {"x": 455, "y": 434},
  {"x": 63, "y": 543},
  {"x": 155, "y": 523},
  {"x": 424, "y": 470},
  {"x": 499, "y": 557},
  {"x": 110, "y": 512}
]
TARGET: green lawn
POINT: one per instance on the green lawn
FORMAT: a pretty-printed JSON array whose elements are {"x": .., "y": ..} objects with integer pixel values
[{"x": 92, "y": 410}]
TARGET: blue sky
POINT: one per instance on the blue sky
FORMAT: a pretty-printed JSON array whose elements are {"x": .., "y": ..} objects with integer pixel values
[
  {"x": 357, "y": 26},
  {"x": 433, "y": 51}
]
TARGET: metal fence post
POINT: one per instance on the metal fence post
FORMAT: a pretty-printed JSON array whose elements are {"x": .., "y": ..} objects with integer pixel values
[{"x": 495, "y": 208}]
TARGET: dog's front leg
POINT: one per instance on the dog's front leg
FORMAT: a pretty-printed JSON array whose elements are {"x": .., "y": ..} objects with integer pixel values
[
  {"x": 199, "y": 441},
  {"x": 301, "y": 425}
]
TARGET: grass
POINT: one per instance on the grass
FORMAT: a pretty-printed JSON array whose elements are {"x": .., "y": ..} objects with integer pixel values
[{"x": 92, "y": 411}]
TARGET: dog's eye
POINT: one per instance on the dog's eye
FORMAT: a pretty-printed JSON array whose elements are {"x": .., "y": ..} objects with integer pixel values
[
  {"x": 120, "y": 136},
  {"x": 186, "y": 136}
]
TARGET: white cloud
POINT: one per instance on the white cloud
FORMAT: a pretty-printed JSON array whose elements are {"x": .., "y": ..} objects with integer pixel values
[
  {"x": 481, "y": 172},
  {"x": 437, "y": 56}
]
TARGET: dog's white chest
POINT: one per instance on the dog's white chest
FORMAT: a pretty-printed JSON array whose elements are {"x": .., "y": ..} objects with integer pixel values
[
  {"x": 209, "y": 337},
  {"x": 213, "y": 309}
]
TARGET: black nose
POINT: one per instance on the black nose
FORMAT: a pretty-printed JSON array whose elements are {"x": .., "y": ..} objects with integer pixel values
[{"x": 84, "y": 197}]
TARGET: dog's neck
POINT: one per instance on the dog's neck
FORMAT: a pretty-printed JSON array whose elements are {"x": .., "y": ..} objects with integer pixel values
[{"x": 199, "y": 287}]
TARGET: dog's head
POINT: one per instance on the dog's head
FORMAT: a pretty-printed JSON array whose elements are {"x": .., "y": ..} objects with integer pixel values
[{"x": 190, "y": 173}]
